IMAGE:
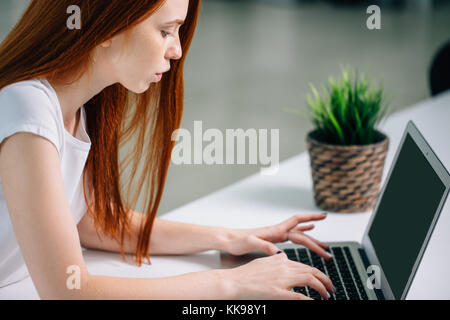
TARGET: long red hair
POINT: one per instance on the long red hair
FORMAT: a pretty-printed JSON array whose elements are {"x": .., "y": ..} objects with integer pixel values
[{"x": 41, "y": 46}]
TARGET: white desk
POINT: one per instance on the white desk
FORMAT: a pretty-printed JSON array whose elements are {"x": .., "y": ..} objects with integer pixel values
[{"x": 263, "y": 200}]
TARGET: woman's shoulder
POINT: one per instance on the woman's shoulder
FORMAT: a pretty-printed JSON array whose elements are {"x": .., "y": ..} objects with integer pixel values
[
  {"x": 30, "y": 106},
  {"x": 30, "y": 95}
]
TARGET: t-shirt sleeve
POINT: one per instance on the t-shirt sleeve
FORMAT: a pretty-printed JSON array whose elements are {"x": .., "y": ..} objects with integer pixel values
[{"x": 27, "y": 108}]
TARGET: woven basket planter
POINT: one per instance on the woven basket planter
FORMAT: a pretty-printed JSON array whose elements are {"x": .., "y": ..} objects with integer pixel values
[{"x": 346, "y": 178}]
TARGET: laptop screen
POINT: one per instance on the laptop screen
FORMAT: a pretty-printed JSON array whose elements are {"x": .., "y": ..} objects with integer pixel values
[{"x": 405, "y": 213}]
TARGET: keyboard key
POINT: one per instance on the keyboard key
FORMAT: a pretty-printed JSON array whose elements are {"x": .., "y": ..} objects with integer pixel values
[
  {"x": 291, "y": 254},
  {"x": 301, "y": 290},
  {"x": 340, "y": 296},
  {"x": 336, "y": 251},
  {"x": 289, "y": 251},
  {"x": 314, "y": 294},
  {"x": 317, "y": 262},
  {"x": 303, "y": 255}
]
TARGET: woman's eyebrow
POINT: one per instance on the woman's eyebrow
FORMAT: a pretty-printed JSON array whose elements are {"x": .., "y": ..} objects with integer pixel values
[{"x": 176, "y": 21}]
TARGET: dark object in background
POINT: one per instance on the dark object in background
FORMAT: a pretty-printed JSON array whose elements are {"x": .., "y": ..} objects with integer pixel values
[{"x": 440, "y": 70}]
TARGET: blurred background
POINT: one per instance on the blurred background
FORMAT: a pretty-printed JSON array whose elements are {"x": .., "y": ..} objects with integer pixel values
[{"x": 251, "y": 59}]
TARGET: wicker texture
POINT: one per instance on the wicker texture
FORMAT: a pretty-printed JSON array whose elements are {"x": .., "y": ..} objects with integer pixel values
[{"x": 346, "y": 178}]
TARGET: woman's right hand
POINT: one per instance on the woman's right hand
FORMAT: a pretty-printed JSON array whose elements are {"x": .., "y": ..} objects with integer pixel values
[{"x": 273, "y": 277}]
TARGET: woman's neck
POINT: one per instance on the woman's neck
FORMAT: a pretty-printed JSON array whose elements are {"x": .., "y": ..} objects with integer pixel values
[{"x": 74, "y": 95}]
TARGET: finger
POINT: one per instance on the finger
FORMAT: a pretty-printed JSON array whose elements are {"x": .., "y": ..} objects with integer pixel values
[
  {"x": 306, "y": 269},
  {"x": 299, "y": 218},
  {"x": 311, "y": 281},
  {"x": 263, "y": 245},
  {"x": 297, "y": 296},
  {"x": 324, "y": 279},
  {"x": 304, "y": 240},
  {"x": 303, "y": 228},
  {"x": 323, "y": 245}
]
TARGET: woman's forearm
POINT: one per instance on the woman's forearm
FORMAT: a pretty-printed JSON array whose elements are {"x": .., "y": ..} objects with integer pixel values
[
  {"x": 211, "y": 284},
  {"x": 89, "y": 238},
  {"x": 170, "y": 237}
]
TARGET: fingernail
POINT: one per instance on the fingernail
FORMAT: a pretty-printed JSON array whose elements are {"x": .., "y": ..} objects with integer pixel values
[
  {"x": 334, "y": 289},
  {"x": 329, "y": 296},
  {"x": 278, "y": 252},
  {"x": 329, "y": 255}
]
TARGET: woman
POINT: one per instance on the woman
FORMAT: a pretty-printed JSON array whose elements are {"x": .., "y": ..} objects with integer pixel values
[{"x": 68, "y": 97}]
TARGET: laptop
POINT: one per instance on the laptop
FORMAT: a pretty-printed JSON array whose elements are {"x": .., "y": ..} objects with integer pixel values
[{"x": 384, "y": 264}]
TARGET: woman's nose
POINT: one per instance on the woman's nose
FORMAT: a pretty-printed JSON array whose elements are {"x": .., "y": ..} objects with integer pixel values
[{"x": 174, "y": 52}]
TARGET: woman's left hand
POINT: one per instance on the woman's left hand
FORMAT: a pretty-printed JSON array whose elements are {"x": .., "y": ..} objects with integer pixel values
[{"x": 242, "y": 241}]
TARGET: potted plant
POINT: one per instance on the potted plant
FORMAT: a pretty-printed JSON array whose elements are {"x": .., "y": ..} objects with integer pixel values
[{"x": 346, "y": 151}]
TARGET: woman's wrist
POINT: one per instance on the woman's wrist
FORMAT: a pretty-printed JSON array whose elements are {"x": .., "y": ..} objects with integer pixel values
[
  {"x": 222, "y": 238},
  {"x": 226, "y": 284}
]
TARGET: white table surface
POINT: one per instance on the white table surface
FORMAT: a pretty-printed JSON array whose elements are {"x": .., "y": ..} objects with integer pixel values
[{"x": 261, "y": 200}]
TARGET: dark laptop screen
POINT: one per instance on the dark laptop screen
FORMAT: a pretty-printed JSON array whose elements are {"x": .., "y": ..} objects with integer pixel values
[{"x": 404, "y": 215}]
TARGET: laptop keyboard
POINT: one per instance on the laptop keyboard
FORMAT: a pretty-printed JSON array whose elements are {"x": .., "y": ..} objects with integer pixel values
[{"x": 341, "y": 270}]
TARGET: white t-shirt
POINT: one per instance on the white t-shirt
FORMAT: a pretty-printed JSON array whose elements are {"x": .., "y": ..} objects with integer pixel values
[{"x": 33, "y": 106}]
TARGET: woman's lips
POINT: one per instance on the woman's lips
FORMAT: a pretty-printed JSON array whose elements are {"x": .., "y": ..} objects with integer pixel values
[{"x": 158, "y": 76}]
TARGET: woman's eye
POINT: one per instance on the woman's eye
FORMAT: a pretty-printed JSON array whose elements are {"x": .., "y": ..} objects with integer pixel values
[{"x": 164, "y": 33}]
